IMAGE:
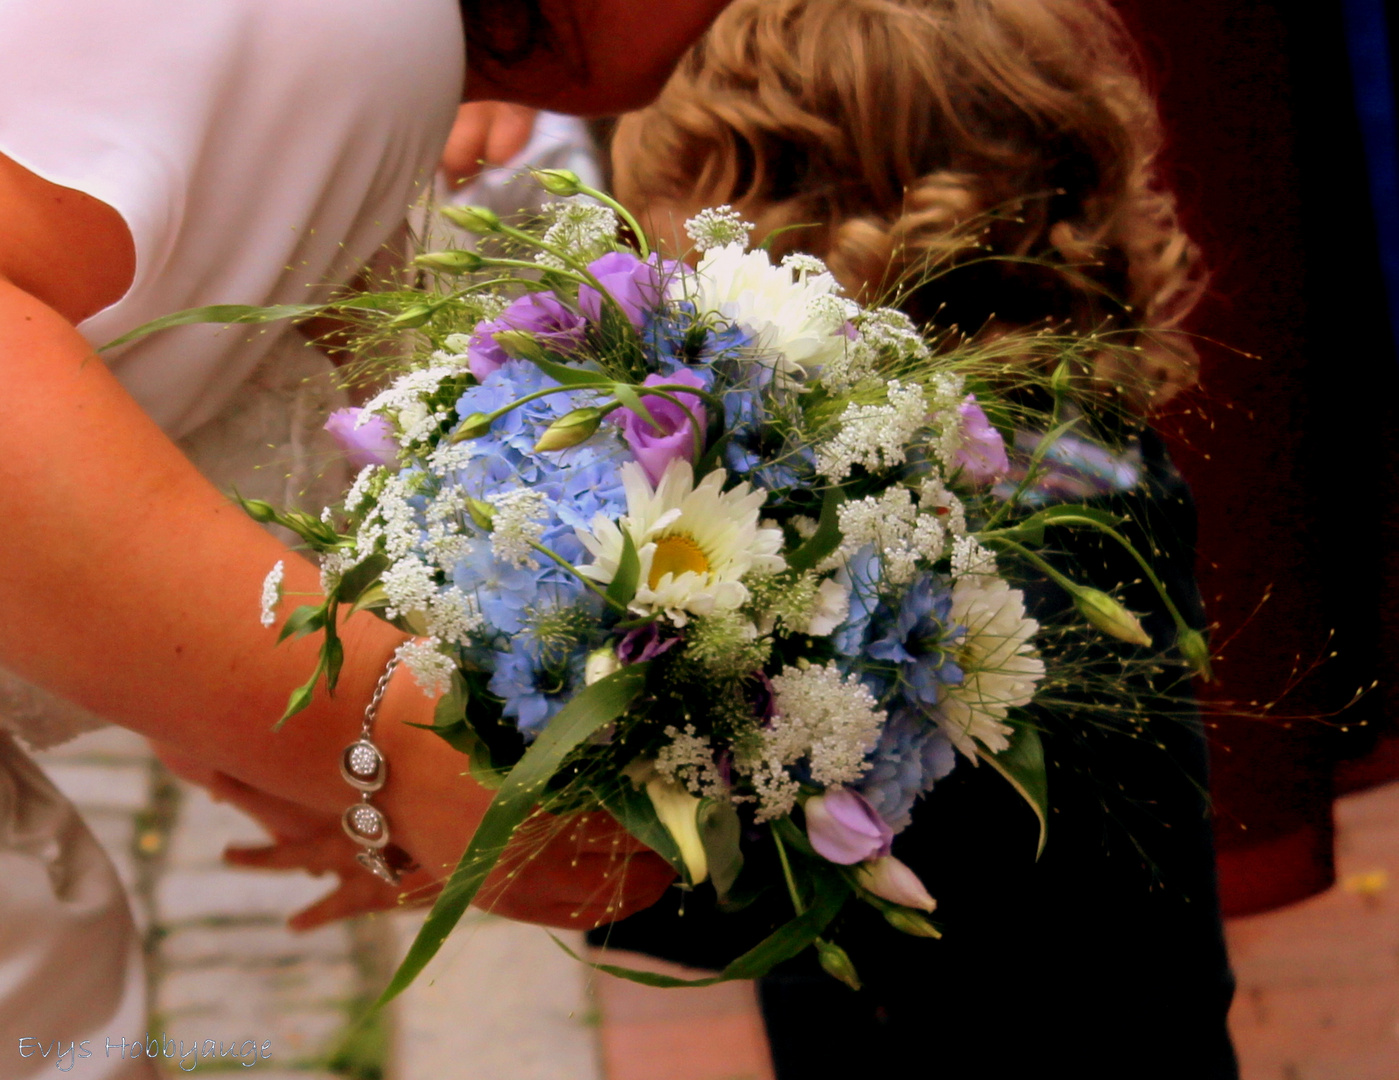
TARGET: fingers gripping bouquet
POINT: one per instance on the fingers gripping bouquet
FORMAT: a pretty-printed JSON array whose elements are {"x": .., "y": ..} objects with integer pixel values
[{"x": 712, "y": 548}]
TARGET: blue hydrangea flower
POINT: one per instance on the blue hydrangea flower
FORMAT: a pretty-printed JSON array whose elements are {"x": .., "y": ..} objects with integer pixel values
[
  {"x": 913, "y": 754},
  {"x": 534, "y": 683},
  {"x": 921, "y": 639}
]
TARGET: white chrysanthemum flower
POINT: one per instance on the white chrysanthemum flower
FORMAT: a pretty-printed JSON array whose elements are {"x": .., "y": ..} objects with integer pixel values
[
  {"x": 272, "y": 593},
  {"x": 793, "y": 328},
  {"x": 718, "y": 227},
  {"x": 695, "y": 543},
  {"x": 828, "y": 610},
  {"x": 516, "y": 524},
  {"x": 432, "y": 671},
  {"x": 997, "y": 659}
]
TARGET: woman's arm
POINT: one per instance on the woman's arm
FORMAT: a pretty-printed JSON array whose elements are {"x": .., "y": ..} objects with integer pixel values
[{"x": 130, "y": 585}]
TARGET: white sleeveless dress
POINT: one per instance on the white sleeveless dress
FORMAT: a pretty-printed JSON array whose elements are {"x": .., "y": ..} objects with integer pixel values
[{"x": 260, "y": 151}]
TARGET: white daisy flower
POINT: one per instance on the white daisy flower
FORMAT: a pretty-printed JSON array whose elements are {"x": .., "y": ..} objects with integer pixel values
[
  {"x": 998, "y": 661},
  {"x": 695, "y": 543},
  {"x": 797, "y": 318}
]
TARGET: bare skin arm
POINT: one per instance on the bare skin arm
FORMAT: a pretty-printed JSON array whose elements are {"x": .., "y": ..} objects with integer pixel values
[{"x": 130, "y": 584}]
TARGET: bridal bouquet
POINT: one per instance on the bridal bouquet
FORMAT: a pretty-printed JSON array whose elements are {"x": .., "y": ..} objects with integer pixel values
[{"x": 713, "y": 548}]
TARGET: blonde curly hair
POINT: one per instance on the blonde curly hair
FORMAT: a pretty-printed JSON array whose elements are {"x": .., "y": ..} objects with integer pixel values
[{"x": 892, "y": 137}]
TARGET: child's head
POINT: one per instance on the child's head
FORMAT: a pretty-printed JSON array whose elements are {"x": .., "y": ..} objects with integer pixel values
[{"x": 905, "y": 132}]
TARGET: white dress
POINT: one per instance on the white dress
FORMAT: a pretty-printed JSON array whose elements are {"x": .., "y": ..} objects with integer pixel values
[{"x": 260, "y": 151}]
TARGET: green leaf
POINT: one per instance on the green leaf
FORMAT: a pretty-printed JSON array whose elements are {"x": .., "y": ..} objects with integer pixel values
[
  {"x": 569, "y": 374},
  {"x": 782, "y": 944},
  {"x": 218, "y": 313},
  {"x": 720, "y": 832},
  {"x": 593, "y": 708},
  {"x": 1030, "y": 530},
  {"x": 301, "y": 696},
  {"x": 334, "y": 651},
  {"x": 374, "y": 598},
  {"x": 625, "y": 393},
  {"x": 628, "y": 576},
  {"x": 825, "y": 539},
  {"x": 1022, "y": 763},
  {"x": 240, "y": 313},
  {"x": 359, "y": 577},
  {"x": 306, "y": 619},
  {"x": 635, "y": 812}
]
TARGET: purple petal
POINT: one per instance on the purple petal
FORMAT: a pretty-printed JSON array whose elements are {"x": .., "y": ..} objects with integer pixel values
[
  {"x": 982, "y": 456},
  {"x": 370, "y": 443},
  {"x": 672, "y": 436},
  {"x": 844, "y": 828}
]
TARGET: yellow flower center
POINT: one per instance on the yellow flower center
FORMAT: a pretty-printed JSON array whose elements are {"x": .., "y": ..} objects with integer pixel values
[{"x": 676, "y": 554}]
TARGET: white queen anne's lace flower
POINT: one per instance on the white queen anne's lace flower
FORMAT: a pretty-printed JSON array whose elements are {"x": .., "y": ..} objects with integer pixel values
[
  {"x": 516, "y": 524},
  {"x": 695, "y": 542},
  {"x": 831, "y": 720},
  {"x": 793, "y": 329},
  {"x": 998, "y": 661},
  {"x": 272, "y": 593},
  {"x": 432, "y": 670},
  {"x": 875, "y": 436},
  {"x": 403, "y": 403},
  {"x": 578, "y": 226},
  {"x": 718, "y": 227}
]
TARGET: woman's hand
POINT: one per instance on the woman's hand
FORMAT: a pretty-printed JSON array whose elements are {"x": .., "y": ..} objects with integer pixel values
[
  {"x": 485, "y": 133},
  {"x": 566, "y": 872}
]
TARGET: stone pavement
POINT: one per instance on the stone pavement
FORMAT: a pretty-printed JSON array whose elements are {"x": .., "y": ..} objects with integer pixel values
[
  {"x": 1318, "y": 982},
  {"x": 502, "y": 1002}
]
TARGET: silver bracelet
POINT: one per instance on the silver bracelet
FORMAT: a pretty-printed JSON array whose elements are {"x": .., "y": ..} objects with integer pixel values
[{"x": 365, "y": 769}]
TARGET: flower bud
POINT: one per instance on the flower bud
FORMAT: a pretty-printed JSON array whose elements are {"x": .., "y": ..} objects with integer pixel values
[
  {"x": 910, "y": 922},
  {"x": 678, "y": 811},
  {"x": 892, "y": 880},
  {"x": 259, "y": 511},
  {"x": 560, "y": 182},
  {"x": 600, "y": 664},
  {"x": 410, "y": 318},
  {"x": 451, "y": 262},
  {"x": 471, "y": 427},
  {"x": 1061, "y": 382},
  {"x": 570, "y": 430},
  {"x": 836, "y": 961},
  {"x": 1109, "y": 616},
  {"x": 482, "y": 513},
  {"x": 1196, "y": 651},
  {"x": 415, "y": 622},
  {"x": 520, "y": 345},
  {"x": 474, "y": 219}
]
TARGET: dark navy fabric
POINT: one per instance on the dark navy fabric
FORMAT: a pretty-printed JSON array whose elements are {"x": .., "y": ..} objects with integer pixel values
[{"x": 1104, "y": 959}]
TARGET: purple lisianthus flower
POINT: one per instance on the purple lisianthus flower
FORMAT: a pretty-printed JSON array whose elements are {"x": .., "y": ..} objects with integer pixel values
[
  {"x": 369, "y": 443},
  {"x": 982, "y": 455},
  {"x": 844, "y": 828},
  {"x": 634, "y": 285},
  {"x": 655, "y": 447},
  {"x": 643, "y": 643},
  {"x": 540, "y": 314}
]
